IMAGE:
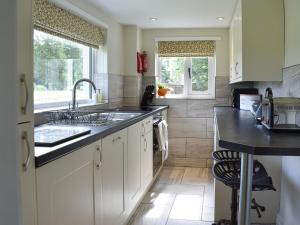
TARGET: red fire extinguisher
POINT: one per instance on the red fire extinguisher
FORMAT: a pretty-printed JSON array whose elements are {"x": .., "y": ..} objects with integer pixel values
[{"x": 142, "y": 64}]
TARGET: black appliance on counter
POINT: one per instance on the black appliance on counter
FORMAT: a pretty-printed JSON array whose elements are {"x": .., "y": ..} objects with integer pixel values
[
  {"x": 148, "y": 95},
  {"x": 236, "y": 93}
]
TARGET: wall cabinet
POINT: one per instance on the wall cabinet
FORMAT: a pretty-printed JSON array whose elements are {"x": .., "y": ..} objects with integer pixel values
[
  {"x": 68, "y": 189},
  {"x": 27, "y": 174},
  {"x": 257, "y": 41},
  {"x": 114, "y": 148}
]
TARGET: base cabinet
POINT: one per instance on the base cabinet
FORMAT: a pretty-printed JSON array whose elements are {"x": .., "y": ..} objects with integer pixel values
[
  {"x": 146, "y": 153},
  {"x": 113, "y": 166},
  {"x": 68, "y": 189},
  {"x": 27, "y": 174},
  {"x": 134, "y": 191}
]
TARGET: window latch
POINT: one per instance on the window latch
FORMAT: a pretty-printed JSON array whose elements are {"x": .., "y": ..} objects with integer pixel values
[{"x": 189, "y": 71}]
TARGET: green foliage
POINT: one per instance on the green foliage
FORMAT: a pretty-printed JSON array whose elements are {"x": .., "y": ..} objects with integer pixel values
[
  {"x": 200, "y": 74},
  {"x": 177, "y": 65},
  {"x": 51, "y": 61}
]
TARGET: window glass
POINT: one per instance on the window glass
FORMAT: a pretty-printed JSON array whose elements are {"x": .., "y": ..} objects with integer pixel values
[
  {"x": 187, "y": 76},
  {"x": 199, "y": 74},
  {"x": 58, "y": 64}
]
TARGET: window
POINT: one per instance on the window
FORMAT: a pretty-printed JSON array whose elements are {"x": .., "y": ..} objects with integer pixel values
[
  {"x": 58, "y": 64},
  {"x": 187, "y": 77}
]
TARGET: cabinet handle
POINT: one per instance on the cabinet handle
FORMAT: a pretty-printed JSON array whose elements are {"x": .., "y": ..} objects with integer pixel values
[
  {"x": 148, "y": 122},
  {"x": 144, "y": 128},
  {"x": 116, "y": 139},
  {"x": 100, "y": 157},
  {"x": 25, "y": 164},
  {"x": 236, "y": 65},
  {"x": 24, "y": 82},
  {"x": 146, "y": 145}
]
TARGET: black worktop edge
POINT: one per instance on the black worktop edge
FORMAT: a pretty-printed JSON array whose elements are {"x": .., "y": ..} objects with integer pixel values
[{"x": 65, "y": 150}]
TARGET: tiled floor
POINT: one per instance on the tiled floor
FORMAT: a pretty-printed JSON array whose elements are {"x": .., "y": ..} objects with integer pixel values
[{"x": 180, "y": 196}]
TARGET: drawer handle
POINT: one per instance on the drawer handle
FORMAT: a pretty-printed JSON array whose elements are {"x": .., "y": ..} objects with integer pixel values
[
  {"x": 146, "y": 145},
  {"x": 236, "y": 65},
  {"x": 116, "y": 139},
  {"x": 148, "y": 122},
  {"x": 24, "y": 82},
  {"x": 25, "y": 164}
]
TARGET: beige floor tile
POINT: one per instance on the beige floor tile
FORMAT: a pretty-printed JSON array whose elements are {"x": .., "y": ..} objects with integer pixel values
[
  {"x": 187, "y": 222},
  {"x": 209, "y": 195},
  {"x": 187, "y": 207},
  {"x": 208, "y": 214},
  {"x": 178, "y": 189},
  {"x": 149, "y": 214},
  {"x": 171, "y": 175},
  {"x": 197, "y": 176},
  {"x": 157, "y": 198}
]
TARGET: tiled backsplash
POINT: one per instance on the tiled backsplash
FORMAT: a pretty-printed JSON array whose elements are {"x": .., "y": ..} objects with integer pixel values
[
  {"x": 290, "y": 87},
  {"x": 191, "y": 125}
]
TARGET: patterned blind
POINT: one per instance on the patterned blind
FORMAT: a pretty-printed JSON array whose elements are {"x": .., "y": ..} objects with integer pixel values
[
  {"x": 186, "y": 48},
  {"x": 51, "y": 19}
]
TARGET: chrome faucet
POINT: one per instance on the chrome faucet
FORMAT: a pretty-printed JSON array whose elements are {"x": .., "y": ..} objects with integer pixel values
[{"x": 75, "y": 87}]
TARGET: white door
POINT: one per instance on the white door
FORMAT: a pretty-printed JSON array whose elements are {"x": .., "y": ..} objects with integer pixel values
[
  {"x": 133, "y": 191},
  {"x": 27, "y": 174},
  {"x": 146, "y": 159},
  {"x": 25, "y": 61},
  {"x": 68, "y": 188},
  {"x": 113, "y": 172}
]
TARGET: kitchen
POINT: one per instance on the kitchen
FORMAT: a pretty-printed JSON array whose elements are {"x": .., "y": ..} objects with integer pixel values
[{"x": 105, "y": 176}]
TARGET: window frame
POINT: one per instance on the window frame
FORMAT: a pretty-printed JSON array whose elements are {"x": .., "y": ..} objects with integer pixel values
[
  {"x": 187, "y": 90},
  {"x": 64, "y": 103}
]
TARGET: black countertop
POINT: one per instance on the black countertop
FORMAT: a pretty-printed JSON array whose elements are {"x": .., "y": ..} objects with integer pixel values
[
  {"x": 45, "y": 155},
  {"x": 239, "y": 131}
]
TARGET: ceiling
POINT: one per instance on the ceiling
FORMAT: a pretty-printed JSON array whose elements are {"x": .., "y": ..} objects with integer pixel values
[{"x": 170, "y": 13}]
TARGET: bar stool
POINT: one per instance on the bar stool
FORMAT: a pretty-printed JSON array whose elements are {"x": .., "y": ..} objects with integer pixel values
[{"x": 227, "y": 170}]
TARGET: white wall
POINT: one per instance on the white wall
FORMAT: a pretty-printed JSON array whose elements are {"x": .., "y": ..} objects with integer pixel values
[
  {"x": 9, "y": 192},
  {"x": 131, "y": 44},
  {"x": 292, "y": 32},
  {"x": 222, "y": 46},
  {"x": 114, "y": 37},
  {"x": 290, "y": 184}
]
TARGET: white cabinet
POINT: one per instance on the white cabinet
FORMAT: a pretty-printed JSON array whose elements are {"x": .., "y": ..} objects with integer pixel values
[
  {"x": 133, "y": 192},
  {"x": 69, "y": 189},
  {"x": 146, "y": 152},
  {"x": 27, "y": 174},
  {"x": 257, "y": 41},
  {"x": 25, "y": 60},
  {"x": 114, "y": 148}
]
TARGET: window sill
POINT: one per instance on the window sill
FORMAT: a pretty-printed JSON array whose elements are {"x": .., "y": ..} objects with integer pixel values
[{"x": 83, "y": 105}]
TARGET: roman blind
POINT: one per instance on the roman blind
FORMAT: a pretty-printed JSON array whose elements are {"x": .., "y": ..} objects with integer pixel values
[
  {"x": 51, "y": 19},
  {"x": 186, "y": 48}
]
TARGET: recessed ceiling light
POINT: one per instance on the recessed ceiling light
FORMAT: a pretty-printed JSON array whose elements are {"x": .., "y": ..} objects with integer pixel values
[
  {"x": 220, "y": 18},
  {"x": 153, "y": 19}
]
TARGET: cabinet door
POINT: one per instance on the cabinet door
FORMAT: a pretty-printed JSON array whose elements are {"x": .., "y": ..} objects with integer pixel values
[
  {"x": 25, "y": 61},
  {"x": 113, "y": 172},
  {"x": 133, "y": 191},
  {"x": 238, "y": 41},
  {"x": 27, "y": 174},
  {"x": 67, "y": 189},
  {"x": 147, "y": 159}
]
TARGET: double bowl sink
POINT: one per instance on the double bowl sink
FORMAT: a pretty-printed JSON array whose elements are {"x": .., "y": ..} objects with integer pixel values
[{"x": 65, "y": 125}]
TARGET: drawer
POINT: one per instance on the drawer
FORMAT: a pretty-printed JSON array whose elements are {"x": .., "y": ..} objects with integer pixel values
[{"x": 147, "y": 125}]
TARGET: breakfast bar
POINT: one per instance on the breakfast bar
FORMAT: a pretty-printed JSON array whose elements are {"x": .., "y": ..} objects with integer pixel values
[{"x": 237, "y": 130}]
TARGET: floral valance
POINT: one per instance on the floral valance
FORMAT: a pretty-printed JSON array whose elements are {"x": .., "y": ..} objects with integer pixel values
[
  {"x": 51, "y": 19},
  {"x": 186, "y": 48}
]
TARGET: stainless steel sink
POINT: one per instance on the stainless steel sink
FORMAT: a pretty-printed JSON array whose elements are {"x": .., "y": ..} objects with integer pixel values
[{"x": 90, "y": 118}]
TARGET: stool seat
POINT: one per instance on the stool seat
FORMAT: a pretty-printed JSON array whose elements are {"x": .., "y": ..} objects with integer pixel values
[
  {"x": 228, "y": 172},
  {"x": 225, "y": 155}
]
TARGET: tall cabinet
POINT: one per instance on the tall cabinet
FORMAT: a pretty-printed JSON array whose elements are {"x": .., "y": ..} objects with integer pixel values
[
  {"x": 257, "y": 41},
  {"x": 25, "y": 112}
]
